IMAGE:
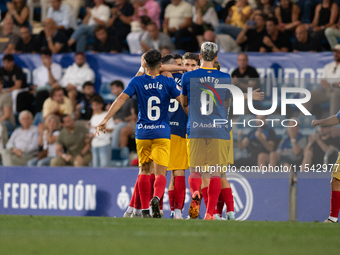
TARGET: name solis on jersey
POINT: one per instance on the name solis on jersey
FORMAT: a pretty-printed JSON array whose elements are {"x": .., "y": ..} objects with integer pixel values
[
  {"x": 140, "y": 126},
  {"x": 153, "y": 86}
]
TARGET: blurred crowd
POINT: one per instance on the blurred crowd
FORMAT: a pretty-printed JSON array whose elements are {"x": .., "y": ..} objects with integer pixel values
[{"x": 139, "y": 25}]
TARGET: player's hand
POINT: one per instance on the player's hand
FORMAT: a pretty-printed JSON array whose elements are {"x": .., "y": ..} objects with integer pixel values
[
  {"x": 315, "y": 123},
  {"x": 101, "y": 126},
  {"x": 257, "y": 95}
]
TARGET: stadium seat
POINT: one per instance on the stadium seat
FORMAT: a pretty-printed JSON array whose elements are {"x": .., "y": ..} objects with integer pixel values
[
  {"x": 305, "y": 124},
  {"x": 120, "y": 157}
]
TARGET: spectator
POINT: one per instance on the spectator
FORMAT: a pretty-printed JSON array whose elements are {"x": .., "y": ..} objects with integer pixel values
[
  {"x": 266, "y": 8},
  {"x": 326, "y": 14},
  {"x": 245, "y": 76},
  {"x": 63, "y": 17},
  {"x": 303, "y": 42},
  {"x": 23, "y": 143},
  {"x": 251, "y": 36},
  {"x": 225, "y": 42},
  {"x": 149, "y": 8},
  {"x": 290, "y": 149},
  {"x": 204, "y": 19},
  {"x": 100, "y": 145},
  {"x": 124, "y": 114},
  {"x": 119, "y": 24},
  {"x": 165, "y": 50},
  {"x": 259, "y": 143},
  {"x": 330, "y": 91},
  {"x": 104, "y": 42},
  {"x": 45, "y": 77},
  {"x": 156, "y": 40},
  {"x": 318, "y": 144},
  {"x": 53, "y": 38},
  {"x": 238, "y": 15},
  {"x": 18, "y": 12},
  {"x": 178, "y": 18},
  {"x": 287, "y": 15},
  {"x": 28, "y": 43},
  {"x": 14, "y": 80},
  {"x": 83, "y": 108},
  {"x": 76, "y": 75},
  {"x": 275, "y": 40},
  {"x": 137, "y": 35},
  {"x": 57, "y": 103},
  {"x": 8, "y": 39},
  {"x": 332, "y": 34},
  {"x": 98, "y": 15},
  {"x": 6, "y": 112},
  {"x": 73, "y": 146},
  {"x": 48, "y": 141}
]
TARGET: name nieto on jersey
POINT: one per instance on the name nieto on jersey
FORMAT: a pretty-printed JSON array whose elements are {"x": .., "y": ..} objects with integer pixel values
[{"x": 209, "y": 79}]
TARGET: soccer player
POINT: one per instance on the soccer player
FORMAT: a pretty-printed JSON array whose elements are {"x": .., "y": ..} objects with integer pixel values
[
  {"x": 191, "y": 61},
  {"x": 207, "y": 145},
  {"x": 178, "y": 58},
  {"x": 154, "y": 92},
  {"x": 335, "y": 182}
]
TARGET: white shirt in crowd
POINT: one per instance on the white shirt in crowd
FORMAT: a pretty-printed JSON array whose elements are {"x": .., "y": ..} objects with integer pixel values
[
  {"x": 50, "y": 147},
  {"x": 210, "y": 16},
  {"x": 102, "y": 139},
  {"x": 77, "y": 76},
  {"x": 331, "y": 72},
  {"x": 25, "y": 140},
  {"x": 101, "y": 12},
  {"x": 40, "y": 74},
  {"x": 63, "y": 17},
  {"x": 177, "y": 14}
]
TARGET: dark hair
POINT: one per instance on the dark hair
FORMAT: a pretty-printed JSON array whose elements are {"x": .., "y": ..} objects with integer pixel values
[
  {"x": 8, "y": 57},
  {"x": 98, "y": 28},
  {"x": 97, "y": 99},
  {"x": 177, "y": 56},
  {"x": 193, "y": 56},
  {"x": 167, "y": 58},
  {"x": 46, "y": 51},
  {"x": 274, "y": 20},
  {"x": 217, "y": 65},
  {"x": 152, "y": 23},
  {"x": 88, "y": 84},
  {"x": 152, "y": 59},
  {"x": 263, "y": 16},
  {"x": 55, "y": 89},
  {"x": 145, "y": 20},
  {"x": 118, "y": 84},
  {"x": 25, "y": 26},
  {"x": 1, "y": 80},
  {"x": 63, "y": 116},
  {"x": 80, "y": 53}
]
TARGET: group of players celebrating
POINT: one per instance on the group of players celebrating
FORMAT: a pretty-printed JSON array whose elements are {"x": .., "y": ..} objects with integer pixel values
[
  {"x": 172, "y": 134},
  {"x": 164, "y": 143}
]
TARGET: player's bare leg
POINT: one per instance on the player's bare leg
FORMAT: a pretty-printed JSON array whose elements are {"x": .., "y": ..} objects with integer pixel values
[
  {"x": 195, "y": 182},
  {"x": 159, "y": 188},
  {"x": 144, "y": 186},
  {"x": 171, "y": 194},
  {"x": 228, "y": 198},
  {"x": 335, "y": 201},
  {"x": 179, "y": 192}
]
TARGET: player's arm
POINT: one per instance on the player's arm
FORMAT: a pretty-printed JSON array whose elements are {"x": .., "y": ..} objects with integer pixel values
[
  {"x": 117, "y": 104},
  {"x": 330, "y": 121},
  {"x": 173, "y": 68}
]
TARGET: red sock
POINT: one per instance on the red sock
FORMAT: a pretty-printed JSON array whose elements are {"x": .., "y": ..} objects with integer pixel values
[
  {"x": 195, "y": 182},
  {"x": 152, "y": 181},
  {"x": 214, "y": 190},
  {"x": 179, "y": 191},
  {"x": 228, "y": 199},
  {"x": 144, "y": 190},
  {"x": 171, "y": 199},
  {"x": 161, "y": 203},
  {"x": 205, "y": 196},
  {"x": 137, "y": 202},
  {"x": 335, "y": 204},
  {"x": 220, "y": 205},
  {"x": 159, "y": 186},
  {"x": 133, "y": 198}
]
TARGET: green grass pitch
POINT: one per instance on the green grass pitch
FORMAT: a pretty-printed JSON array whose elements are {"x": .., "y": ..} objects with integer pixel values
[{"x": 91, "y": 235}]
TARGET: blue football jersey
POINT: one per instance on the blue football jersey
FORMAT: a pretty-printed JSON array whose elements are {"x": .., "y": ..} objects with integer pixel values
[
  {"x": 208, "y": 115},
  {"x": 153, "y": 98},
  {"x": 177, "y": 116}
]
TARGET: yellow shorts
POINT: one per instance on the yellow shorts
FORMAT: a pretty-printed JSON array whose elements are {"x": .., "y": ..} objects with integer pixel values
[
  {"x": 178, "y": 153},
  {"x": 210, "y": 151},
  {"x": 336, "y": 168},
  {"x": 157, "y": 150}
]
